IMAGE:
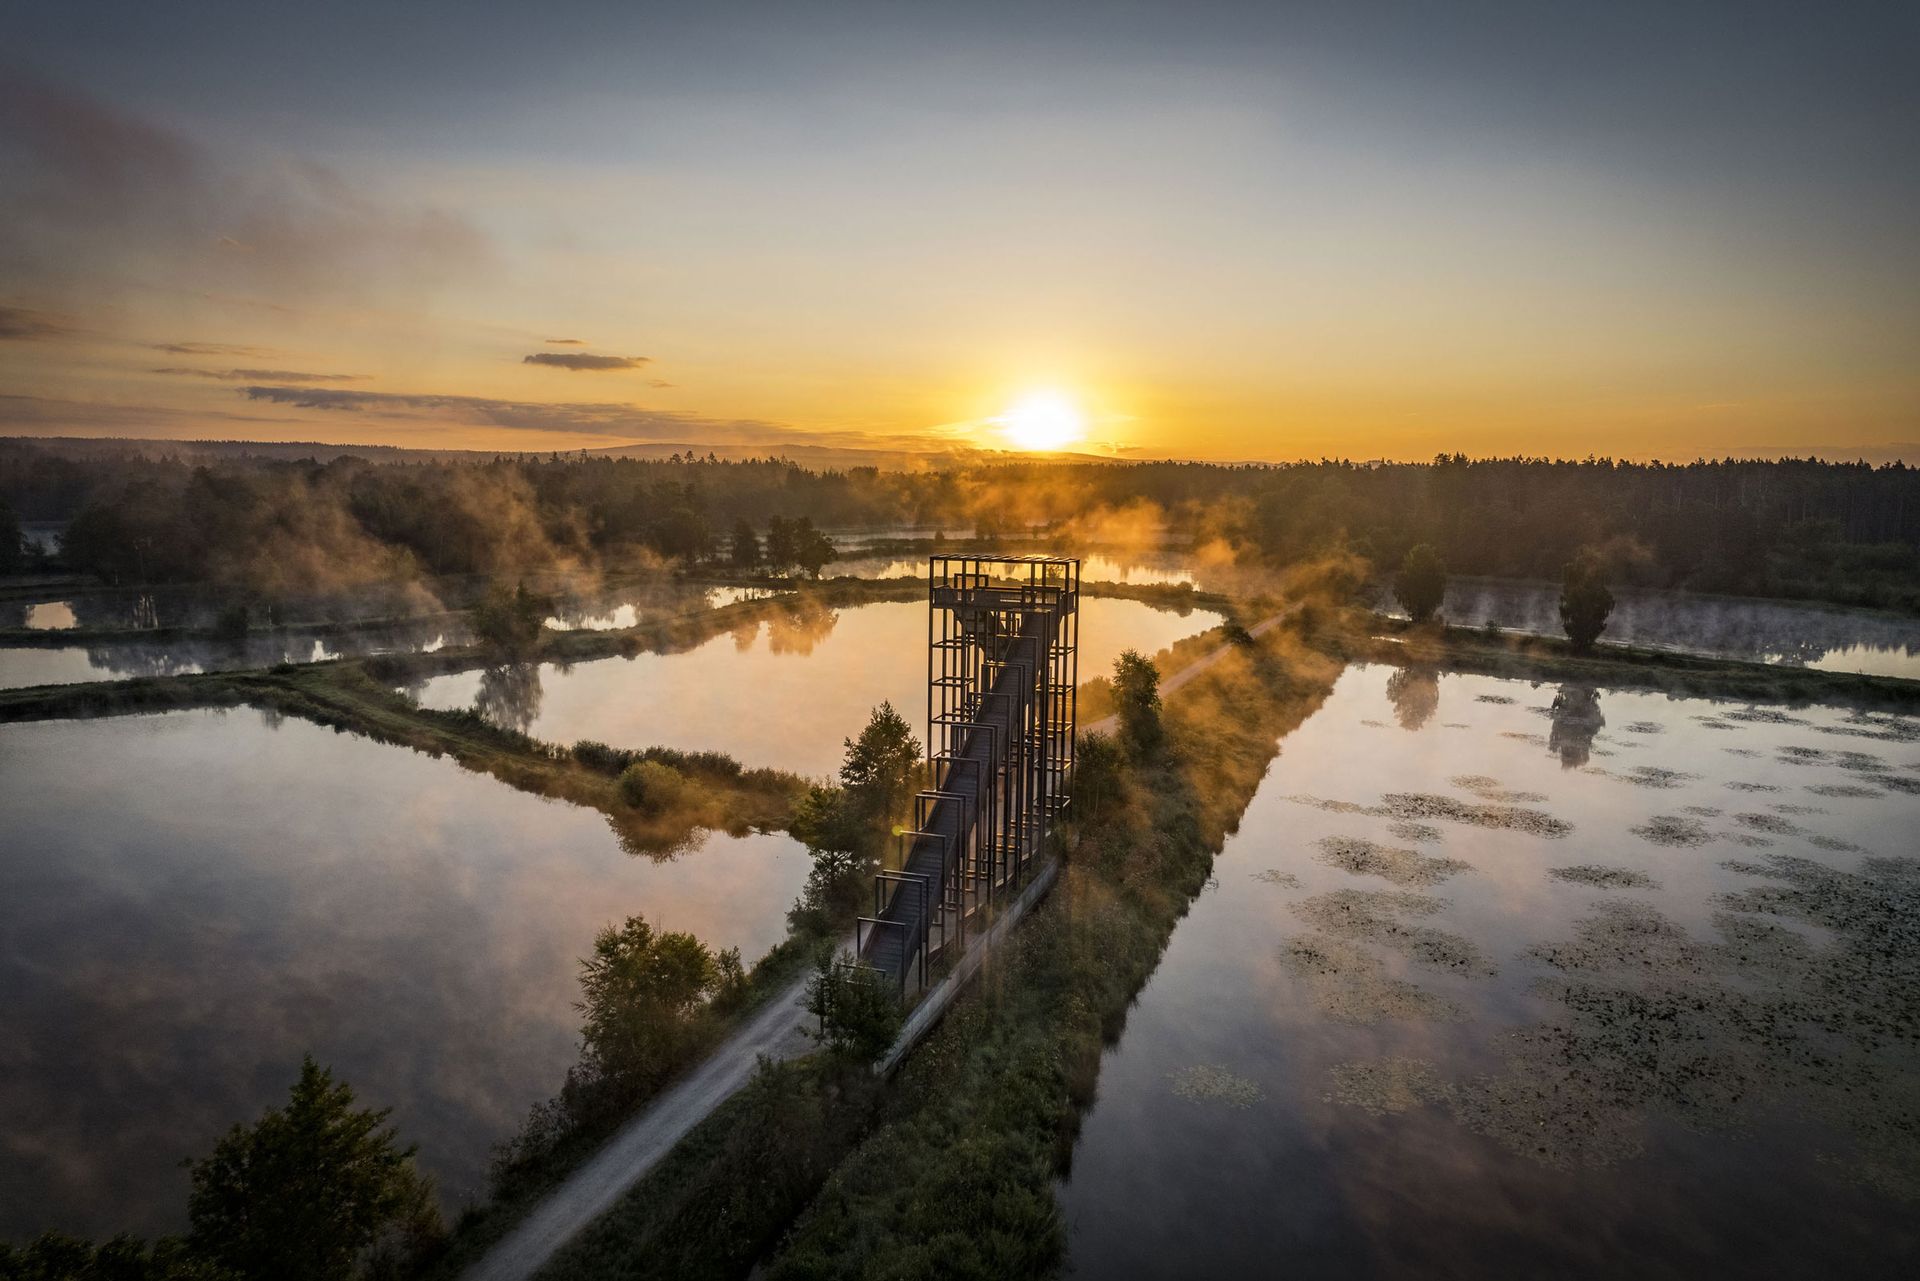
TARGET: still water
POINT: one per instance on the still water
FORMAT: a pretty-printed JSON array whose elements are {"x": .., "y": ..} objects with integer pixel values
[
  {"x": 1827, "y": 637},
  {"x": 22, "y": 665},
  {"x": 187, "y": 906},
  {"x": 786, "y": 693},
  {"x": 1483, "y": 985}
]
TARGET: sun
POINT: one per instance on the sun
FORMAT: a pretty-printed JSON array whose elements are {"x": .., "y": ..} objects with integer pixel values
[{"x": 1042, "y": 420}]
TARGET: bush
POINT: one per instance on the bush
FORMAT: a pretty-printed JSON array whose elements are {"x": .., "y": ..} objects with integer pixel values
[
  {"x": 653, "y": 788},
  {"x": 640, "y": 991},
  {"x": 1098, "y": 774},
  {"x": 859, "y": 1011}
]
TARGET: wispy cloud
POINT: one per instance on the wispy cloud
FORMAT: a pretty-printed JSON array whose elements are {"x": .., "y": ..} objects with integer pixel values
[
  {"x": 263, "y": 375},
  {"x": 565, "y": 342},
  {"x": 94, "y": 193},
  {"x": 582, "y": 363},
  {"x": 209, "y": 349},
  {"x": 622, "y": 421},
  {"x": 19, "y": 324}
]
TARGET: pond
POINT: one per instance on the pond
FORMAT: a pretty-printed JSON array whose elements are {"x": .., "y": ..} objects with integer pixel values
[
  {"x": 1511, "y": 979},
  {"x": 190, "y": 902},
  {"x": 22, "y": 665},
  {"x": 1827, "y": 637},
  {"x": 785, "y": 693}
]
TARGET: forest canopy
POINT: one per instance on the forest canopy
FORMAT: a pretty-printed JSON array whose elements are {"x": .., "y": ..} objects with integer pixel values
[{"x": 1846, "y": 532}]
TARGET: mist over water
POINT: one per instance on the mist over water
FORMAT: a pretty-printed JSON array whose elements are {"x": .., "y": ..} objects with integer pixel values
[
  {"x": 786, "y": 692},
  {"x": 190, "y": 902},
  {"x": 1504, "y": 978},
  {"x": 1820, "y": 636}
]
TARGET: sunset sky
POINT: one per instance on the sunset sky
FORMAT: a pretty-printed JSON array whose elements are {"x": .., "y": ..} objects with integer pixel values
[{"x": 1230, "y": 231}]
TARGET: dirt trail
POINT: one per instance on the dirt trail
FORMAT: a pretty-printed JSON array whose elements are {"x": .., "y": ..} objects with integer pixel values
[{"x": 775, "y": 1032}]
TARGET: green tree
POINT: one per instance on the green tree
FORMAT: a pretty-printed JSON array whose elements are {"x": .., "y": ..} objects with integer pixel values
[
  {"x": 639, "y": 992},
  {"x": 879, "y": 768},
  {"x": 1097, "y": 777},
  {"x": 811, "y": 548},
  {"x": 744, "y": 552},
  {"x": 511, "y": 622},
  {"x": 306, "y": 1191},
  {"x": 783, "y": 546},
  {"x": 1585, "y": 600},
  {"x": 859, "y": 1013},
  {"x": 1136, "y": 691},
  {"x": 1421, "y": 584}
]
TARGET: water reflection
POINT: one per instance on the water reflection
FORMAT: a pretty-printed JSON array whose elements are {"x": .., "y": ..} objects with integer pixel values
[
  {"x": 1485, "y": 1023},
  {"x": 1576, "y": 721},
  {"x": 789, "y": 692},
  {"x": 188, "y": 906},
  {"x": 510, "y": 695},
  {"x": 1415, "y": 695},
  {"x": 1810, "y": 635},
  {"x": 117, "y": 660}
]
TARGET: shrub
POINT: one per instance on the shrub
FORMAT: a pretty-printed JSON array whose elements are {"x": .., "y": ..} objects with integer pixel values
[
  {"x": 1136, "y": 692},
  {"x": 859, "y": 1012},
  {"x": 652, "y": 788}
]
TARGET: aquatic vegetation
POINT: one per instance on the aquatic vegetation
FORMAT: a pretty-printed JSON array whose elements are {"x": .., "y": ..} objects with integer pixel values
[
  {"x": 1498, "y": 699},
  {"x": 1274, "y": 876},
  {"x": 1656, "y": 777},
  {"x": 1676, "y": 830},
  {"x": 1377, "y": 916},
  {"x": 1512, "y": 818},
  {"x": 1408, "y": 830},
  {"x": 1385, "y": 1087},
  {"x": 1646, "y": 727},
  {"x": 1401, "y": 866},
  {"x": 1489, "y": 789},
  {"x": 1350, "y": 984},
  {"x": 1769, "y": 823},
  {"x": 1652, "y": 1021},
  {"x": 1205, "y": 1083},
  {"x": 1766, "y": 716},
  {"x": 1704, "y": 811},
  {"x": 1739, "y": 786},
  {"x": 1851, "y": 791},
  {"x": 1604, "y": 878}
]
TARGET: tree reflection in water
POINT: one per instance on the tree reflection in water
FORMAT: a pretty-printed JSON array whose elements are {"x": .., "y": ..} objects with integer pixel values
[
  {"x": 1576, "y": 719},
  {"x": 1415, "y": 694},
  {"x": 800, "y": 626},
  {"x": 510, "y": 695}
]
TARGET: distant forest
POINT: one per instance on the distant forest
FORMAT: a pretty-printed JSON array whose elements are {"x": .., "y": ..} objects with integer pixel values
[{"x": 1848, "y": 533}]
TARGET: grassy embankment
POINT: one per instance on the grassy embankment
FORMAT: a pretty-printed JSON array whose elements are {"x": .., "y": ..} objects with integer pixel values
[{"x": 949, "y": 1169}]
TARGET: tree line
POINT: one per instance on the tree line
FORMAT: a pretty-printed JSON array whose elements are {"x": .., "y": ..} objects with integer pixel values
[{"x": 1846, "y": 532}]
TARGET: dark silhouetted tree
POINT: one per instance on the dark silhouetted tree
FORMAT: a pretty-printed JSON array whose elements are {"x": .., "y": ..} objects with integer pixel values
[
  {"x": 1585, "y": 600},
  {"x": 306, "y": 1191},
  {"x": 1421, "y": 584},
  {"x": 782, "y": 545},
  {"x": 811, "y": 548},
  {"x": 879, "y": 767},
  {"x": 859, "y": 1012},
  {"x": 1136, "y": 692},
  {"x": 744, "y": 552},
  {"x": 1097, "y": 777},
  {"x": 13, "y": 551},
  {"x": 639, "y": 991},
  {"x": 510, "y": 622}
]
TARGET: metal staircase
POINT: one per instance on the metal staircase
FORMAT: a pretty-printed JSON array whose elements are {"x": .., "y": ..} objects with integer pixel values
[{"x": 1002, "y": 670}]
